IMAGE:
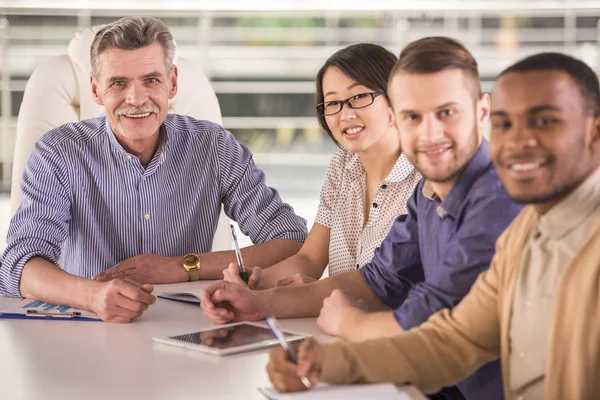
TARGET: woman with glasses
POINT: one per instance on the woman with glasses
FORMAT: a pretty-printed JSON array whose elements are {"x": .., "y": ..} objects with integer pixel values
[{"x": 369, "y": 179}]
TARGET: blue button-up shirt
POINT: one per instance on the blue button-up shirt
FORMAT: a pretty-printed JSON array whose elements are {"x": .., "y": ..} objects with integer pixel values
[
  {"x": 434, "y": 253},
  {"x": 89, "y": 202}
]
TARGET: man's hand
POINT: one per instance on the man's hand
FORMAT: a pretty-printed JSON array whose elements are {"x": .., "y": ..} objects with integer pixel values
[
  {"x": 225, "y": 302},
  {"x": 296, "y": 279},
  {"x": 147, "y": 268},
  {"x": 285, "y": 376},
  {"x": 339, "y": 310},
  {"x": 232, "y": 274},
  {"x": 121, "y": 301}
]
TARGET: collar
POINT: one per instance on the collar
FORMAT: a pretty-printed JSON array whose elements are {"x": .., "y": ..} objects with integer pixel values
[
  {"x": 451, "y": 205},
  {"x": 572, "y": 211},
  {"x": 402, "y": 168}
]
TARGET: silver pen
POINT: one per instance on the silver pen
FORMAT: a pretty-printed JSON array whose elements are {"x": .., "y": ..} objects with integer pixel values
[
  {"x": 71, "y": 314},
  {"x": 278, "y": 333},
  {"x": 238, "y": 254}
]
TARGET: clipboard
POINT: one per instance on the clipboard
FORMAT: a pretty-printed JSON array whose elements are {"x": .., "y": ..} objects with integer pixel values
[
  {"x": 14, "y": 308},
  {"x": 47, "y": 317}
]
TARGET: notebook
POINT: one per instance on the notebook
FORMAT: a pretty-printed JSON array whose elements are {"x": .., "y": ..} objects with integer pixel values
[
  {"x": 189, "y": 297},
  {"x": 379, "y": 391}
]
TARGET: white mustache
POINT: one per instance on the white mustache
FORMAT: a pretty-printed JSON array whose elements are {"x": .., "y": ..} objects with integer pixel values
[{"x": 135, "y": 110}]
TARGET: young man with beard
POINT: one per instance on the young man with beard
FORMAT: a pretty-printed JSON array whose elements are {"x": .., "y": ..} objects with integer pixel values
[
  {"x": 431, "y": 256},
  {"x": 537, "y": 307}
]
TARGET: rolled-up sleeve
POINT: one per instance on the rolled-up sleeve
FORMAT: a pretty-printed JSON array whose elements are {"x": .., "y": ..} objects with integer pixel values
[
  {"x": 40, "y": 225},
  {"x": 469, "y": 253},
  {"x": 256, "y": 207},
  {"x": 396, "y": 264}
]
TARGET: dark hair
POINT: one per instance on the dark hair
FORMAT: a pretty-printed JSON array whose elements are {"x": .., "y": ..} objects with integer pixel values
[
  {"x": 580, "y": 73},
  {"x": 366, "y": 63},
  {"x": 435, "y": 54}
]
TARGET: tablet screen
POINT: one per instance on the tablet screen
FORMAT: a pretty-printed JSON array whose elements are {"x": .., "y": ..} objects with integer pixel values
[{"x": 229, "y": 336}]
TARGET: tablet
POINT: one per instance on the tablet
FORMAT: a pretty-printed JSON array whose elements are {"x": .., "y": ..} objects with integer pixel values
[{"x": 229, "y": 339}]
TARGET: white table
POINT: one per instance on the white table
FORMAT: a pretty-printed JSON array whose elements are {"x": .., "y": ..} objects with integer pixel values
[{"x": 93, "y": 360}]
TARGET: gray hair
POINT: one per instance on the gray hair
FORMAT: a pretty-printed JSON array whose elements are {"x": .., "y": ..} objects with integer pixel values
[{"x": 132, "y": 33}]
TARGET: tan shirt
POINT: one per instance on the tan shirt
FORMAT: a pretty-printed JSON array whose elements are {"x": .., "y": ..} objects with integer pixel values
[
  {"x": 556, "y": 238},
  {"x": 454, "y": 343},
  {"x": 351, "y": 245}
]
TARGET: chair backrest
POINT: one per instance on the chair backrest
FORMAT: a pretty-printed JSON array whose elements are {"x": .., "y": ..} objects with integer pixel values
[{"x": 58, "y": 92}]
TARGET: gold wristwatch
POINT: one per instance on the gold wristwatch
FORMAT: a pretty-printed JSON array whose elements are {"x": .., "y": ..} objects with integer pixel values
[{"x": 191, "y": 263}]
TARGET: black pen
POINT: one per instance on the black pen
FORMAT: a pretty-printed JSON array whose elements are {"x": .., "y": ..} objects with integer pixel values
[{"x": 238, "y": 255}]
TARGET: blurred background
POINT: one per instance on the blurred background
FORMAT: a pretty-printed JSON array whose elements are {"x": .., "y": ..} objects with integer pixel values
[{"x": 262, "y": 57}]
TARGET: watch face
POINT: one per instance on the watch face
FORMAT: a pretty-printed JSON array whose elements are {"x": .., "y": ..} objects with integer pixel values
[{"x": 190, "y": 259}]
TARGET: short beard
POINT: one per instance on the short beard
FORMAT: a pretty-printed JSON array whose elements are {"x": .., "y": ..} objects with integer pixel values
[
  {"x": 556, "y": 193},
  {"x": 452, "y": 175}
]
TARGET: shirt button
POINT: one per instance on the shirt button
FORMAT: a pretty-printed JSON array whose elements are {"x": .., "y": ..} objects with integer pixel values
[
  {"x": 374, "y": 205},
  {"x": 143, "y": 178},
  {"x": 521, "y": 398},
  {"x": 147, "y": 216},
  {"x": 528, "y": 303},
  {"x": 384, "y": 186},
  {"x": 522, "y": 354},
  {"x": 129, "y": 157}
]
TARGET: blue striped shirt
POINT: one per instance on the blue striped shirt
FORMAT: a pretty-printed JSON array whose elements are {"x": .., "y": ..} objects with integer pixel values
[{"x": 91, "y": 203}]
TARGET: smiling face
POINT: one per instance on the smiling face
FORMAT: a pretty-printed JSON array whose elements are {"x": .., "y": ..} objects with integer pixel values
[
  {"x": 543, "y": 140},
  {"x": 135, "y": 87},
  {"x": 438, "y": 121},
  {"x": 357, "y": 130}
]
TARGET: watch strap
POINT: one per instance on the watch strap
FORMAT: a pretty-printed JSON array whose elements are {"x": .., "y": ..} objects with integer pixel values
[{"x": 194, "y": 274}]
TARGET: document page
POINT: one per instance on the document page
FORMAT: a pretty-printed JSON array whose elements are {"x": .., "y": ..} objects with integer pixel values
[{"x": 380, "y": 391}]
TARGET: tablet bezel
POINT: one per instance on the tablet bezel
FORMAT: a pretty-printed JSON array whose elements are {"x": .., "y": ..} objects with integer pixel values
[{"x": 297, "y": 336}]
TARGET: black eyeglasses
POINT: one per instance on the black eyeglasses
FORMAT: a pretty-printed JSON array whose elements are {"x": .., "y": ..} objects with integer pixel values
[{"x": 360, "y": 100}]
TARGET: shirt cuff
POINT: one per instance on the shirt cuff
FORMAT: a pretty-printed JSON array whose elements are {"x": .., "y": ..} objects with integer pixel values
[
  {"x": 295, "y": 236},
  {"x": 369, "y": 274},
  {"x": 323, "y": 218},
  {"x": 411, "y": 315},
  {"x": 336, "y": 364}
]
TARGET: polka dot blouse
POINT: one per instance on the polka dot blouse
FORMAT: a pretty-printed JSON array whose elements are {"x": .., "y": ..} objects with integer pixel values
[{"x": 341, "y": 208}]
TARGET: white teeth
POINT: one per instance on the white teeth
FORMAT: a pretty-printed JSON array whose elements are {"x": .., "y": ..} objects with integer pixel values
[
  {"x": 525, "y": 167},
  {"x": 435, "y": 151},
  {"x": 138, "y": 115},
  {"x": 352, "y": 131}
]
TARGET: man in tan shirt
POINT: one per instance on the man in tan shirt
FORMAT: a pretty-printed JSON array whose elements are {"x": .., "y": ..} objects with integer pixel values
[{"x": 538, "y": 306}]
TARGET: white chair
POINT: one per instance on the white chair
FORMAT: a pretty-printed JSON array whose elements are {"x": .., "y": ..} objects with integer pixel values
[{"x": 59, "y": 92}]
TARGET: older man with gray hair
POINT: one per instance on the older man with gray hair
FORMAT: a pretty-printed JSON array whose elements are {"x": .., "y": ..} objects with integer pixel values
[{"x": 133, "y": 197}]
